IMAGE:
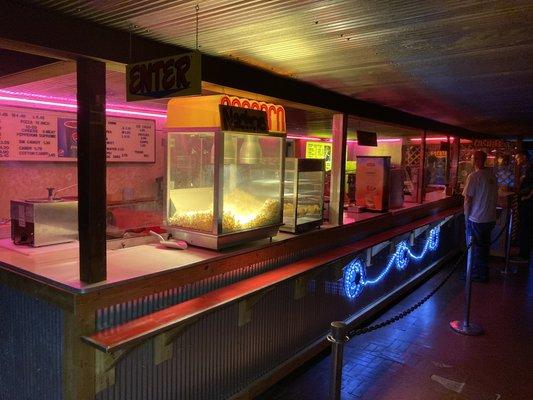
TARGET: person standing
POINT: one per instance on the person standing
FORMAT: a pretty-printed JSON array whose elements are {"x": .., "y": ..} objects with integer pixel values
[
  {"x": 525, "y": 212},
  {"x": 481, "y": 197}
]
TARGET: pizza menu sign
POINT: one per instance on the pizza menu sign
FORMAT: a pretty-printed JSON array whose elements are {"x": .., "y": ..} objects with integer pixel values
[{"x": 36, "y": 135}]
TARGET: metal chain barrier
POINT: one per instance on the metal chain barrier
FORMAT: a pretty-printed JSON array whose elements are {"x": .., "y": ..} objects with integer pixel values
[
  {"x": 404, "y": 313},
  {"x": 338, "y": 337}
]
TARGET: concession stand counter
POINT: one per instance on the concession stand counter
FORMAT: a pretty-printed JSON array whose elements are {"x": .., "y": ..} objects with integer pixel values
[
  {"x": 205, "y": 324},
  {"x": 244, "y": 304}
]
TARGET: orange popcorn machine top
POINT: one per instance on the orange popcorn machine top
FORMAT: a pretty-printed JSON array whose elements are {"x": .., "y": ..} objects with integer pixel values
[{"x": 225, "y": 170}]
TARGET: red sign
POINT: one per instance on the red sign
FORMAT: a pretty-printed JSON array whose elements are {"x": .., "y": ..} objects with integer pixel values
[
  {"x": 491, "y": 143},
  {"x": 275, "y": 113},
  {"x": 242, "y": 119}
]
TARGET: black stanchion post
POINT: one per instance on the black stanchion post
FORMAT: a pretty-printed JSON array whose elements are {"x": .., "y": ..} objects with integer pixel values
[
  {"x": 337, "y": 337},
  {"x": 508, "y": 240},
  {"x": 465, "y": 327}
]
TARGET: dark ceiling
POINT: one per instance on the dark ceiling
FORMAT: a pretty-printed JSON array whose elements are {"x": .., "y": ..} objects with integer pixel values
[{"x": 465, "y": 62}]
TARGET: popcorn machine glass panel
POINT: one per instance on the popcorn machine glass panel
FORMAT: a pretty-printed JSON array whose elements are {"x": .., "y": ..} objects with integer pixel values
[
  {"x": 252, "y": 181},
  {"x": 224, "y": 188},
  {"x": 190, "y": 181}
]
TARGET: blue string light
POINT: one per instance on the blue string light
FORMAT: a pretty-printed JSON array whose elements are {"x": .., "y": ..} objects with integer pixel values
[{"x": 355, "y": 278}]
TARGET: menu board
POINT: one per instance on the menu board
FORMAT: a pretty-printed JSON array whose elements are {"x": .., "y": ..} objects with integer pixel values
[{"x": 35, "y": 135}]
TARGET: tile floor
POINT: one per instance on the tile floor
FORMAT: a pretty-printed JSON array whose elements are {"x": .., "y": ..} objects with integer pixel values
[{"x": 420, "y": 357}]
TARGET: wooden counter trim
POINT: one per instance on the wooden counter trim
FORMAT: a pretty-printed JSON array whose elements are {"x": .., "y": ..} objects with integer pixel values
[
  {"x": 100, "y": 297},
  {"x": 62, "y": 298},
  {"x": 137, "y": 331}
]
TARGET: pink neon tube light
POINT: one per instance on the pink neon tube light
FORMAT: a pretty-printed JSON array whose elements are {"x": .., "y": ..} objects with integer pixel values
[
  {"x": 50, "y": 102},
  {"x": 431, "y": 139},
  {"x": 311, "y": 138}
]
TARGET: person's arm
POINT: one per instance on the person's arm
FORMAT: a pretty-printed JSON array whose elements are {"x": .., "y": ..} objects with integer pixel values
[
  {"x": 526, "y": 185},
  {"x": 467, "y": 206},
  {"x": 468, "y": 194},
  {"x": 527, "y": 196}
]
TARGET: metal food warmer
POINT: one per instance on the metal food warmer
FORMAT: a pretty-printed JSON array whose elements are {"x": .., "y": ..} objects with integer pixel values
[
  {"x": 224, "y": 186},
  {"x": 304, "y": 194}
]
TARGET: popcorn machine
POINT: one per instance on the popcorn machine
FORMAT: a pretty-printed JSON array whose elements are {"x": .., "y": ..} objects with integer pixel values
[{"x": 225, "y": 171}]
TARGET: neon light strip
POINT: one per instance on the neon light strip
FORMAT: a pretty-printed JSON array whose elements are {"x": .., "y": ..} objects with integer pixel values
[
  {"x": 134, "y": 113},
  {"x": 306, "y": 138},
  {"x": 311, "y": 138},
  {"x": 38, "y": 102},
  {"x": 74, "y": 106},
  {"x": 390, "y": 140},
  {"x": 433, "y": 139},
  {"x": 355, "y": 278}
]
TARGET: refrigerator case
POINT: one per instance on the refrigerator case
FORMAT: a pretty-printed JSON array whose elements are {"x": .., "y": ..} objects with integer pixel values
[
  {"x": 224, "y": 187},
  {"x": 304, "y": 194}
]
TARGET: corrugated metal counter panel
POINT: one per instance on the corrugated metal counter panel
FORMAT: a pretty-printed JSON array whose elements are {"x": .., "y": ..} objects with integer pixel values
[
  {"x": 124, "y": 312},
  {"x": 31, "y": 337},
  {"x": 214, "y": 358}
]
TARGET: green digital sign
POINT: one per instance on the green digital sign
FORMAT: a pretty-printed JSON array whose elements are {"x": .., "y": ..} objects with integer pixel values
[{"x": 323, "y": 151}]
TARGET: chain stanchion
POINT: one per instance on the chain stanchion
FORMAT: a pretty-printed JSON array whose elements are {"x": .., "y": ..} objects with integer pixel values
[
  {"x": 337, "y": 337},
  {"x": 466, "y": 327},
  {"x": 508, "y": 240}
]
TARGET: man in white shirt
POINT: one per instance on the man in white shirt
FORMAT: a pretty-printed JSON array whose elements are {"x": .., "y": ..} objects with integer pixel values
[{"x": 481, "y": 196}]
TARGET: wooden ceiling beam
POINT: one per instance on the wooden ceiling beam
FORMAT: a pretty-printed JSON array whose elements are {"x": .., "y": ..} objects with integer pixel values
[
  {"x": 43, "y": 32},
  {"x": 36, "y": 74}
]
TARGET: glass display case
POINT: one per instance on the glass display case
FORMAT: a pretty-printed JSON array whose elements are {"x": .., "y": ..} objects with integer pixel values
[
  {"x": 224, "y": 187},
  {"x": 304, "y": 194}
]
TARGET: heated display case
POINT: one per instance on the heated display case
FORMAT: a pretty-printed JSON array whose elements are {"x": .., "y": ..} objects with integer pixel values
[
  {"x": 304, "y": 194},
  {"x": 224, "y": 187}
]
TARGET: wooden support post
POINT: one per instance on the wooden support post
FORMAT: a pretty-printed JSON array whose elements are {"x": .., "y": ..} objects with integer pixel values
[
  {"x": 78, "y": 358},
  {"x": 517, "y": 172},
  {"x": 91, "y": 169},
  {"x": 454, "y": 166},
  {"x": 338, "y": 168},
  {"x": 421, "y": 192},
  {"x": 448, "y": 163}
]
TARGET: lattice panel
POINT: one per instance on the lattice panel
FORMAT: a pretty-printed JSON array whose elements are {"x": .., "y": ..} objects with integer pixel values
[
  {"x": 505, "y": 175},
  {"x": 412, "y": 155}
]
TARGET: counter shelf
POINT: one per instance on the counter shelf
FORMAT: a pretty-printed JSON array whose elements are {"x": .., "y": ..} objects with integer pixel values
[{"x": 133, "y": 332}]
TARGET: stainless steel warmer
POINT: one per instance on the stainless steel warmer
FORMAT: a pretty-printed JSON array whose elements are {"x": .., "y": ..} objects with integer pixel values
[{"x": 42, "y": 222}]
